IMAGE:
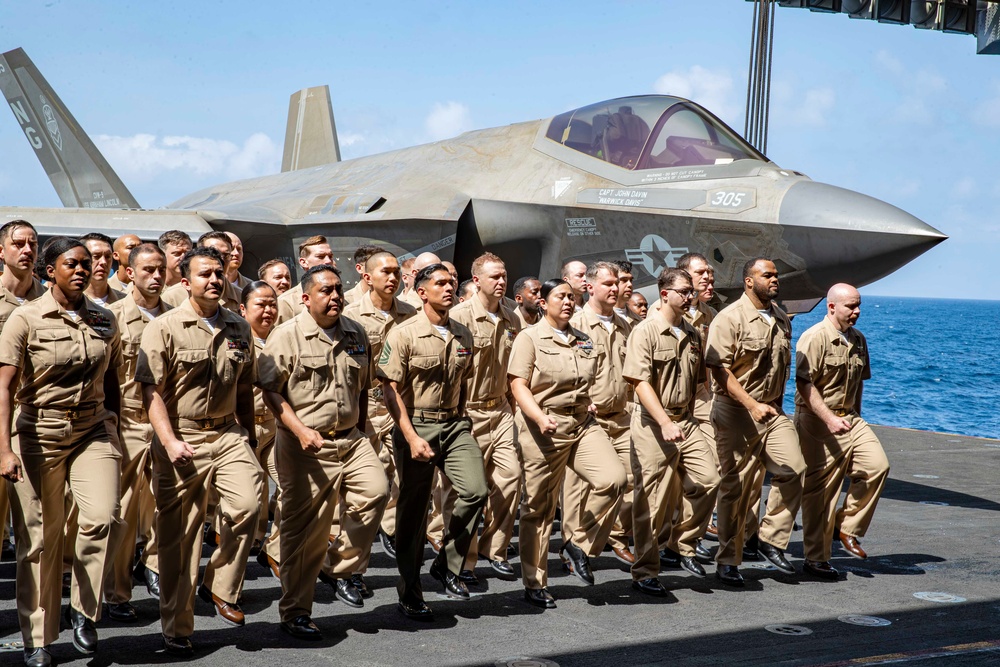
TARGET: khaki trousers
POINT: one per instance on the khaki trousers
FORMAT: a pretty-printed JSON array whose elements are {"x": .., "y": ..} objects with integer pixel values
[
  {"x": 312, "y": 484},
  {"x": 746, "y": 449},
  {"x": 436, "y": 519},
  {"x": 582, "y": 446},
  {"x": 54, "y": 453},
  {"x": 670, "y": 477},
  {"x": 577, "y": 505},
  {"x": 494, "y": 432},
  {"x": 222, "y": 462},
  {"x": 459, "y": 458},
  {"x": 859, "y": 456},
  {"x": 135, "y": 488},
  {"x": 378, "y": 428},
  {"x": 266, "y": 458}
]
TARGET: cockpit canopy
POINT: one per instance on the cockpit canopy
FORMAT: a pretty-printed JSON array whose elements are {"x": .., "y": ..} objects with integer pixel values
[{"x": 650, "y": 132}]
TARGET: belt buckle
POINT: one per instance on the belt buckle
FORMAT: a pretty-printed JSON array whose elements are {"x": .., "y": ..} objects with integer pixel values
[
  {"x": 72, "y": 415},
  {"x": 205, "y": 424},
  {"x": 376, "y": 393}
]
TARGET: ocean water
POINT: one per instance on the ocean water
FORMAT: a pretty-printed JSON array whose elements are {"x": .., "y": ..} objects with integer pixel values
[{"x": 935, "y": 363}]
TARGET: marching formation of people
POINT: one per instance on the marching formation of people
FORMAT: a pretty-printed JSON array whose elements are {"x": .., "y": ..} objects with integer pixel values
[{"x": 145, "y": 410}]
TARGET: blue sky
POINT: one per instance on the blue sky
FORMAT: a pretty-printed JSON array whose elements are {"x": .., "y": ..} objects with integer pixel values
[{"x": 180, "y": 96}]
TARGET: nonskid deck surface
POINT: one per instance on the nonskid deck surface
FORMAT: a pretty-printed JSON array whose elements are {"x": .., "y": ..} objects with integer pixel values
[{"x": 928, "y": 594}]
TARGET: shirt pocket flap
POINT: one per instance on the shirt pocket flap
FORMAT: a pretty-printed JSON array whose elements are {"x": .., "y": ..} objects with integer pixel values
[
  {"x": 48, "y": 335},
  {"x": 424, "y": 362},
  {"x": 754, "y": 344},
  {"x": 664, "y": 355},
  {"x": 192, "y": 356}
]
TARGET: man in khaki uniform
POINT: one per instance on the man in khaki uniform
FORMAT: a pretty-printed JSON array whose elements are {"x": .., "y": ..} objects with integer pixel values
[
  {"x": 197, "y": 366},
  {"x": 575, "y": 273},
  {"x": 638, "y": 306},
  {"x": 831, "y": 365},
  {"x": 174, "y": 244},
  {"x": 233, "y": 275},
  {"x": 314, "y": 251},
  {"x": 378, "y": 311},
  {"x": 18, "y": 251},
  {"x": 749, "y": 352},
  {"x": 420, "y": 262},
  {"x": 98, "y": 290},
  {"x": 625, "y": 279},
  {"x": 123, "y": 246},
  {"x": 527, "y": 296},
  {"x": 145, "y": 268},
  {"x": 361, "y": 256},
  {"x": 612, "y": 396},
  {"x": 314, "y": 373},
  {"x": 493, "y": 328},
  {"x": 672, "y": 466},
  {"x": 275, "y": 273},
  {"x": 230, "y": 300},
  {"x": 424, "y": 366}
]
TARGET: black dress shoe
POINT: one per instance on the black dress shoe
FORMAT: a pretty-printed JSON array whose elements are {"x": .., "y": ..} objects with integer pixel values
[
  {"x": 776, "y": 556},
  {"x": 37, "y": 657},
  {"x": 388, "y": 542},
  {"x": 8, "y": 552},
  {"x": 821, "y": 569},
  {"x": 702, "y": 554},
  {"x": 123, "y": 612},
  {"x": 348, "y": 594},
  {"x": 67, "y": 584},
  {"x": 669, "y": 558},
  {"x": 453, "y": 586},
  {"x": 540, "y": 597},
  {"x": 503, "y": 568},
  {"x": 468, "y": 577},
  {"x": 84, "y": 632},
  {"x": 302, "y": 627},
  {"x": 418, "y": 611},
  {"x": 577, "y": 562},
  {"x": 178, "y": 645},
  {"x": 730, "y": 575},
  {"x": 359, "y": 582},
  {"x": 256, "y": 547},
  {"x": 511, "y": 551},
  {"x": 650, "y": 586},
  {"x": 692, "y": 566},
  {"x": 152, "y": 583},
  {"x": 750, "y": 548}
]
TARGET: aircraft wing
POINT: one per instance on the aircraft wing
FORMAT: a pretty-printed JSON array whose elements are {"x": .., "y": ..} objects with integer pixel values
[{"x": 146, "y": 224}]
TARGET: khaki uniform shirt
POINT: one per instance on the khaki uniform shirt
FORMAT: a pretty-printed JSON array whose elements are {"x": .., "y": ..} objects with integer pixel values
[
  {"x": 320, "y": 377},
  {"x": 701, "y": 317},
  {"x": 131, "y": 323},
  {"x": 259, "y": 407},
  {"x": 8, "y": 302},
  {"x": 428, "y": 370},
  {"x": 241, "y": 282},
  {"x": 114, "y": 296},
  {"x": 290, "y": 303},
  {"x": 610, "y": 392},
  {"x": 413, "y": 299},
  {"x": 377, "y": 326},
  {"x": 355, "y": 293},
  {"x": 177, "y": 294},
  {"x": 757, "y": 352},
  {"x": 492, "y": 343},
  {"x": 62, "y": 361},
  {"x": 674, "y": 366},
  {"x": 560, "y": 374},
  {"x": 199, "y": 370},
  {"x": 115, "y": 283},
  {"x": 836, "y": 365}
]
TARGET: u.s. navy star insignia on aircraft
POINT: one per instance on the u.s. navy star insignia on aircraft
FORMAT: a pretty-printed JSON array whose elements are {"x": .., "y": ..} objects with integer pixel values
[
  {"x": 50, "y": 123},
  {"x": 654, "y": 254}
]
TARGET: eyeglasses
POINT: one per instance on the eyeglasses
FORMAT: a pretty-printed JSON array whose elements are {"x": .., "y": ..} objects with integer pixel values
[{"x": 685, "y": 293}]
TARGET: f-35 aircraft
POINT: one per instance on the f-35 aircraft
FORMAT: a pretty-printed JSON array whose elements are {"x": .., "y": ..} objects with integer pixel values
[{"x": 646, "y": 178}]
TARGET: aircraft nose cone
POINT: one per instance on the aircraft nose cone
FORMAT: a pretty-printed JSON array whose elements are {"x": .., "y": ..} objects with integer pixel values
[{"x": 845, "y": 236}]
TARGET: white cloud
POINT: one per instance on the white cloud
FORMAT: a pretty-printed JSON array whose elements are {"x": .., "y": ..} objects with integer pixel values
[
  {"x": 919, "y": 90},
  {"x": 351, "y": 138},
  {"x": 794, "y": 108},
  {"x": 146, "y": 156},
  {"x": 448, "y": 120},
  {"x": 712, "y": 89}
]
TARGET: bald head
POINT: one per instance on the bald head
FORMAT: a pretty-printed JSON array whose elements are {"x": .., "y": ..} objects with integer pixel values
[
  {"x": 842, "y": 292},
  {"x": 575, "y": 273},
  {"x": 423, "y": 260},
  {"x": 843, "y": 306},
  {"x": 123, "y": 246}
]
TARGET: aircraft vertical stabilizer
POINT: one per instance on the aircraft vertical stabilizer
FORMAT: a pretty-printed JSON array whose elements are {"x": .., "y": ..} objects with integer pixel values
[
  {"x": 310, "y": 135},
  {"x": 80, "y": 174}
]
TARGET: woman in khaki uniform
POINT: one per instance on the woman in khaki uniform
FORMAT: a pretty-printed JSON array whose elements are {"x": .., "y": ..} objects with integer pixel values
[
  {"x": 551, "y": 369},
  {"x": 259, "y": 307},
  {"x": 60, "y": 354}
]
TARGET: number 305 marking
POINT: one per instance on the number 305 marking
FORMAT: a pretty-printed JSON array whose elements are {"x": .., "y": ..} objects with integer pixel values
[{"x": 731, "y": 199}]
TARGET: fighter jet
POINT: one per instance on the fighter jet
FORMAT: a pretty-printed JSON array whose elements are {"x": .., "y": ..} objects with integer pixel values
[{"x": 645, "y": 178}]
